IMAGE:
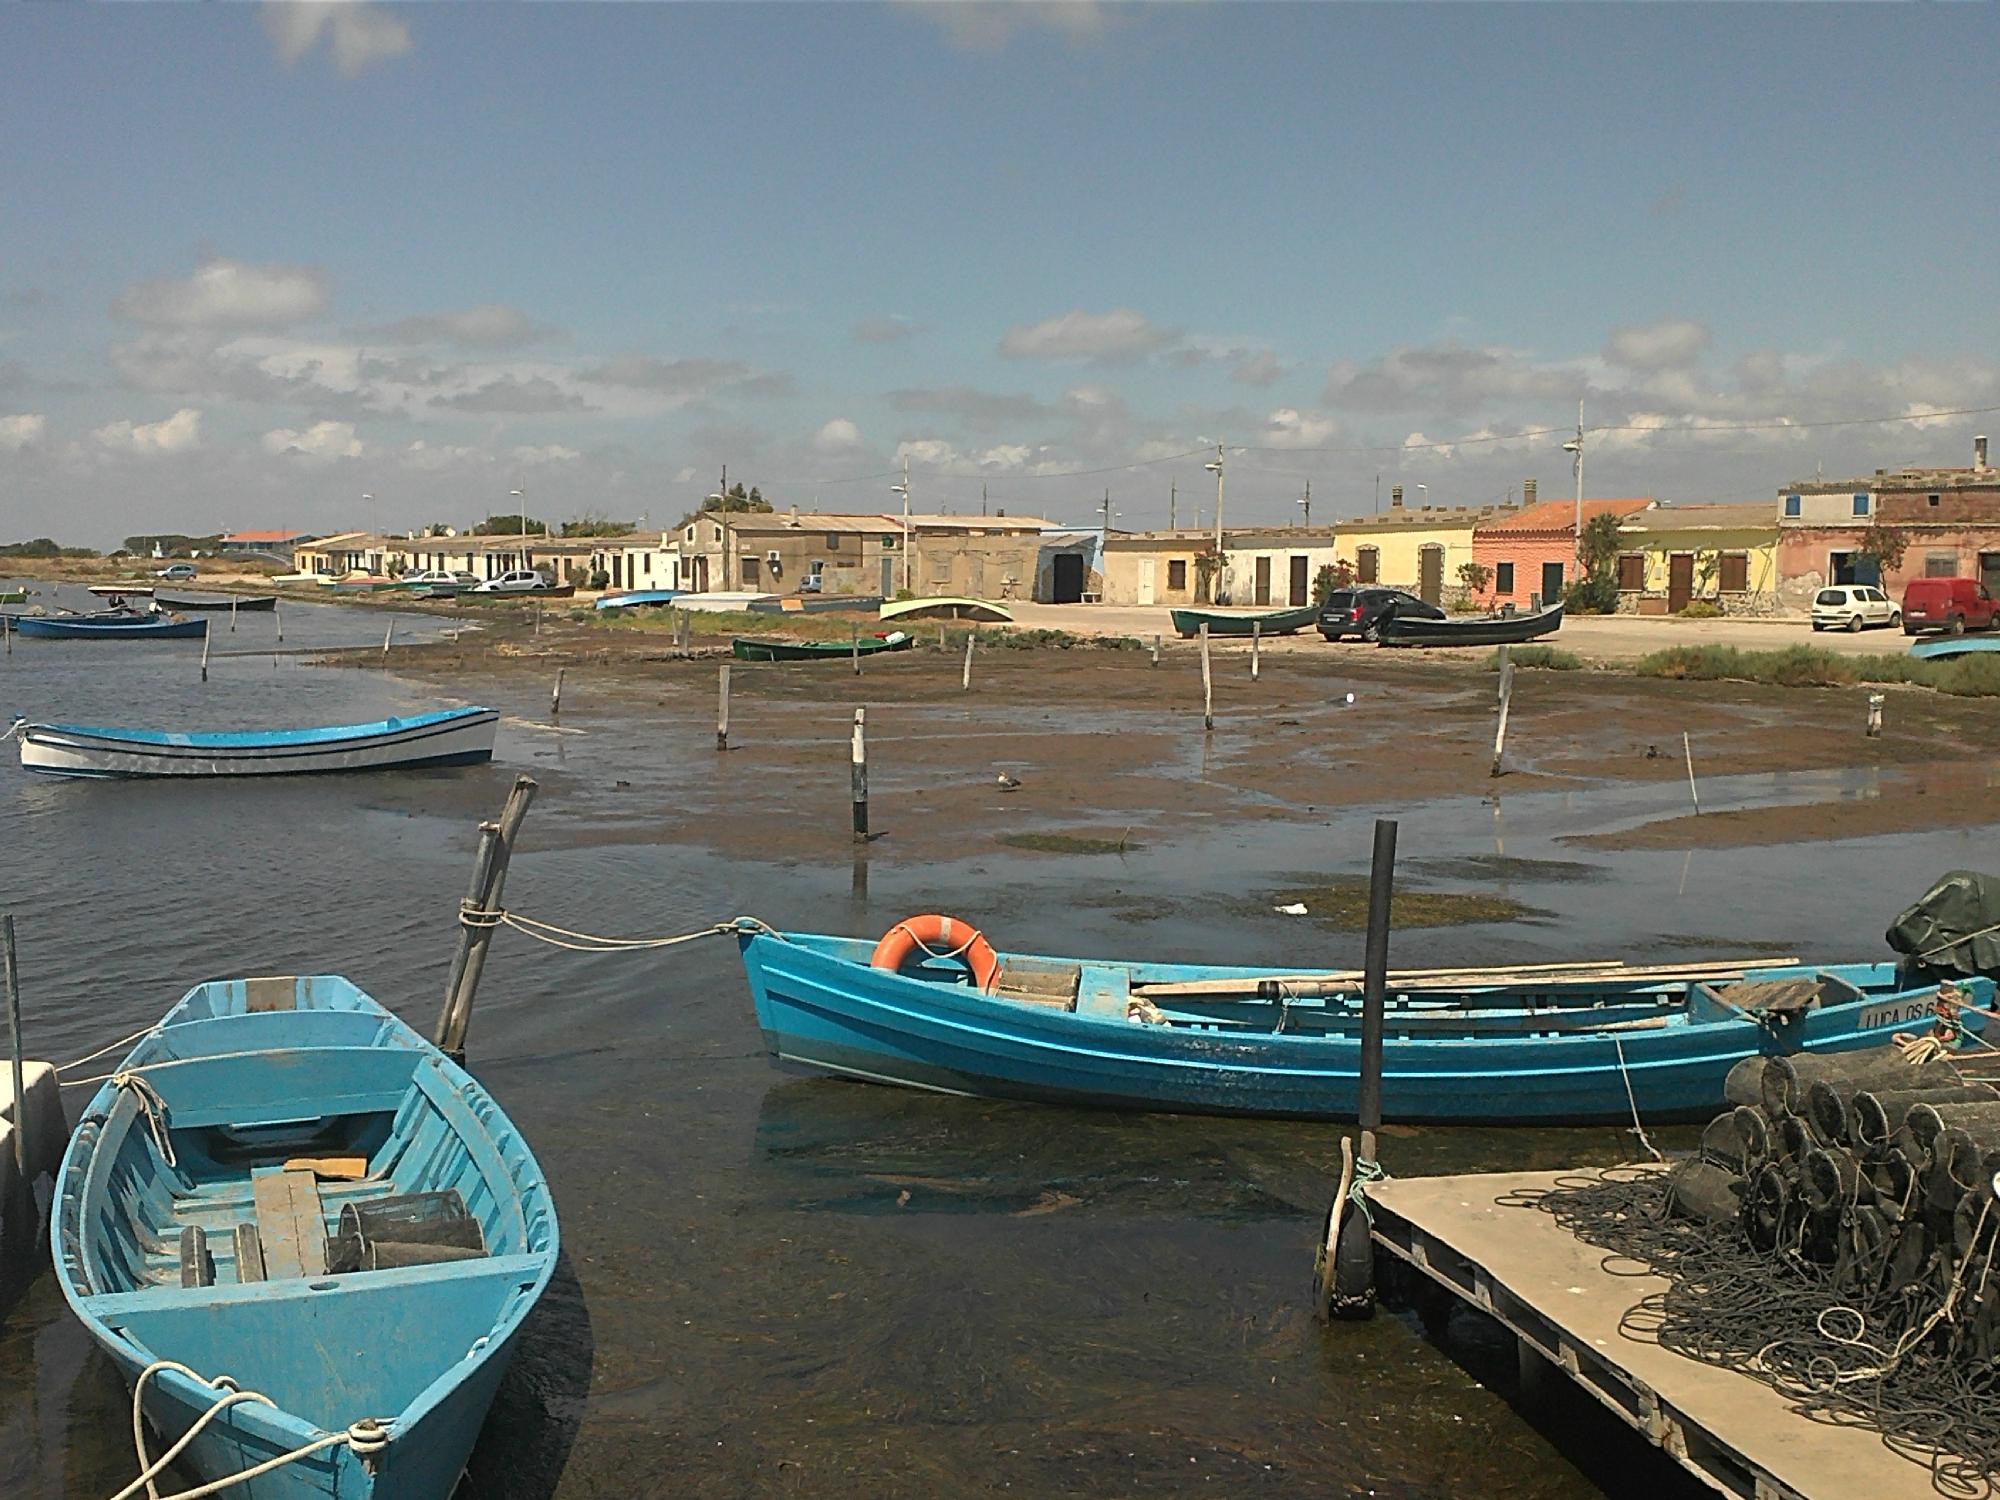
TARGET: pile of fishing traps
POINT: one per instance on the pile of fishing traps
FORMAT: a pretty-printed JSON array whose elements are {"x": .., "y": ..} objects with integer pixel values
[{"x": 1838, "y": 1236}]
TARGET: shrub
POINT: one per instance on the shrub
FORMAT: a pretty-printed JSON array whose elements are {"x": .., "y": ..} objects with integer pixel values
[
  {"x": 1700, "y": 609},
  {"x": 1593, "y": 594},
  {"x": 1794, "y": 666},
  {"x": 1539, "y": 658}
]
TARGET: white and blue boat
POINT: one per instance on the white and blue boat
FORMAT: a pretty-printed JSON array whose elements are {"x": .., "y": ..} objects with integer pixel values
[
  {"x": 285, "y": 1191},
  {"x": 448, "y": 737},
  {"x": 1939, "y": 647},
  {"x": 113, "y": 625},
  {"x": 1188, "y": 1039},
  {"x": 639, "y": 599}
]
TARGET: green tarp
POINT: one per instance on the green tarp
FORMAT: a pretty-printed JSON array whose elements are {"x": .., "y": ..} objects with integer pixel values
[{"x": 1954, "y": 927}]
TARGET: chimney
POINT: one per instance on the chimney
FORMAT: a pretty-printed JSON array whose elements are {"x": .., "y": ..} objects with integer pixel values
[
  {"x": 1979, "y": 452},
  {"x": 1527, "y": 493},
  {"x": 1396, "y": 497}
]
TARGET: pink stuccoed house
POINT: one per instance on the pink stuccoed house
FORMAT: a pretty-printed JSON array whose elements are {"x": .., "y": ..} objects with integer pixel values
[{"x": 1532, "y": 553}]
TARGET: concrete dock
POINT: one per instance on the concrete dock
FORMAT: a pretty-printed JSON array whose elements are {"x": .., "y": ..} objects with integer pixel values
[{"x": 1550, "y": 1289}]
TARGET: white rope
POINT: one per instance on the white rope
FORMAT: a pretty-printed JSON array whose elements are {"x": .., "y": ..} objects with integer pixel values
[
  {"x": 153, "y": 1107},
  {"x": 13, "y": 729},
  {"x": 108, "y": 1047},
  {"x": 1638, "y": 1127},
  {"x": 366, "y": 1437},
  {"x": 583, "y": 942}
]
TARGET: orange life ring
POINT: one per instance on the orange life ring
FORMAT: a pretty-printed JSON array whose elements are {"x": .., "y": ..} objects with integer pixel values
[{"x": 939, "y": 936}]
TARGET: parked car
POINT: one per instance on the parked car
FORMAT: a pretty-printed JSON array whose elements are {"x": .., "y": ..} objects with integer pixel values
[
  {"x": 176, "y": 572},
  {"x": 439, "y": 580},
  {"x": 1853, "y": 606},
  {"x": 520, "y": 581},
  {"x": 1362, "y": 611},
  {"x": 1953, "y": 605}
]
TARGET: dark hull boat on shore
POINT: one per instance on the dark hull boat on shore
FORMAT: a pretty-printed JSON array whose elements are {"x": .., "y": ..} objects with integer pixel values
[
  {"x": 113, "y": 626},
  {"x": 752, "y": 648},
  {"x": 1188, "y": 622},
  {"x": 285, "y": 1187},
  {"x": 238, "y": 602},
  {"x": 943, "y": 1011},
  {"x": 1473, "y": 630}
]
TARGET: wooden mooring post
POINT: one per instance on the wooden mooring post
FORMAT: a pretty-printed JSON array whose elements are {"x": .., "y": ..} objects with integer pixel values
[
  {"x": 1156, "y": 648},
  {"x": 859, "y": 775},
  {"x": 16, "y": 1048},
  {"x": 232, "y": 616},
  {"x": 722, "y": 707},
  {"x": 1687, "y": 749},
  {"x": 857, "y": 648},
  {"x": 1875, "y": 701},
  {"x": 965, "y": 678},
  {"x": 1506, "y": 702},
  {"x": 387, "y": 635},
  {"x": 1207, "y": 683},
  {"x": 475, "y": 935},
  {"x": 204, "y": 649},
  {"x": 555, "y": 695},
  {"x": 278, "y": 614},
  {"x": 1256, "y": 643}
]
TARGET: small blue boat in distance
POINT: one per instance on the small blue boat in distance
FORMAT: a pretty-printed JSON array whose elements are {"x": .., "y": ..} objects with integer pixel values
[
  {"x": 1941, "y": 646},
  {"x": 285, "y": 1187},
  {"x": 949, "y": 1013},
  {"x": 447, "y": 737},
  {"x": 639, "y": 598},
  {"x": 111, "y": 626}
]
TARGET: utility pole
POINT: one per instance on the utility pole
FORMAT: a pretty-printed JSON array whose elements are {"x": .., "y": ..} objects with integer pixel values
[
  {"x": 1576, "y": 447},
  {"x": 1378, "y": 490},
  {"x": 1220, "y": 594},
  {"x": 1106, "y": 508},
  {"x": 903, "y": 489},
  {"x": 1173, "y": 498},
  {"x": 1306, "y": 502},
  {"x": 722, "y": 509},
  {"x": 982, "y": 498}
]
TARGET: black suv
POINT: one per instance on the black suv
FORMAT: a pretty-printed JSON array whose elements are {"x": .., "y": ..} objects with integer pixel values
[{"x": 1362, "y": 611}]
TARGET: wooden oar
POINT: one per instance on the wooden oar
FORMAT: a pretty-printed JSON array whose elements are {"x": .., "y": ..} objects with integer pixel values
[{"x": 1299, "y": 986}]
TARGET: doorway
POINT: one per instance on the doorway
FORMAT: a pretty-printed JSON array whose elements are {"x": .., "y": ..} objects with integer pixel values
[
  {"x": 1552, "y": 583},
  {"x": 1145, "y": 580},
  {"x": 1300, "y": 582},
  {"x": 1262, "y": 586},
  {"x": 1066, "y": 578},
  {"x": 1989, "y": 572},
  {"x": 1680, "y": 581},
  {"x": 1852, "y": 567},
  {"x": 1430, "y": 573}
]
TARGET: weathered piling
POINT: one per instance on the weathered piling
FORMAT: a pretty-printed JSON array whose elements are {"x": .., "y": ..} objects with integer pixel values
[
  {"x": 15, "y": 1046},
  {"x": 478, "y": 916},
  {"x": 1506, "y": 702},
  {"x": 204, "y": 650},
  {"x": 857, "y": 648},
  {"x": 1875, "y": 701},
  {"x": 858, "y": 777},
  {"x": 387, "y": 636},
  {"x": 1256, "y": 641},
  {"x": 722, "y": 707},
  {"x": 1207, "y": 683},
  {"x": 232, "y": 617},
  {"x": 1687, "y": 749},
  {"x": 1156, "y": 648},
  {"x": 278, "y": 615},
  {"x": 965, "y": 678},
  {"x": 1375, "y": 981},
  {"x": 555, "y": 694}
]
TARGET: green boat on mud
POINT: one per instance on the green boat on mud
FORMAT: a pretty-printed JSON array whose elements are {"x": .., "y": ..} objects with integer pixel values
[
  {"x": 1243, "y": 621},
  {"x": 753, "y": 648}
]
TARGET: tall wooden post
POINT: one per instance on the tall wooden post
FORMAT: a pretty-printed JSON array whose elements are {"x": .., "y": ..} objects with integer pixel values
[
  {"x": 232, "y": 616},
  {"x": 1687, "y": 749},
  {"x": 1256, "y": 641},
  {"x": 1156, "y": 648},
  {"x": 1506, "y": 701},
  {"x": 965, "y": 678},
  {"x": 722, "y": 707},
  {"x": 1207, "y": 683},
  {"x": 204, "y": 648},
  {"x": 1375, "y": 982},
  {"x": 489, "y": 885},
  {"x": 278, "y": 614},
  {"x": 555, "y": 696},
  {"x": 859, "y": 775},
  {"x": 857, "y": 648},
  {"x": 16, "y": 1047}
]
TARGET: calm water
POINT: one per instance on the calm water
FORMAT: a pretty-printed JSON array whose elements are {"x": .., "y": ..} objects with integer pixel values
[{"x": 778, "y": 1285}]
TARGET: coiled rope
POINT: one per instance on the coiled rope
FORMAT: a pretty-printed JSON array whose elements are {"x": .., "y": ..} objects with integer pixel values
[{"x": 366, "y": 1437}]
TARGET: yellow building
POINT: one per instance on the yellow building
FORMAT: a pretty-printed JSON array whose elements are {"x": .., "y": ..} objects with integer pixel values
[
  {"x": 1725, "y": 555},
  {"x": 1418, "y": 549}
]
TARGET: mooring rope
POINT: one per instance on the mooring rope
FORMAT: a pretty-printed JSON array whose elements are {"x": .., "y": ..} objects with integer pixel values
[
  {"x": 591, "y": 942},
  {"x": 154, "y": 1108},
  {"x": 366, "y": 1437},
  {"x": 107, "y": 1047},
  {"x": 1638, "y": 1126}
]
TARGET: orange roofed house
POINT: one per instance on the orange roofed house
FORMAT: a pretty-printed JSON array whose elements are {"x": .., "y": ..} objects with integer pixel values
[{"x": 1533, "y": 551}]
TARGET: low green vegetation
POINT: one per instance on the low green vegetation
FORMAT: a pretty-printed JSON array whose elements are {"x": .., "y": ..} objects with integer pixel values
[
  {"x": 1540, "y": 658},
  {"x": 1340, "y": 902},
  {"x": 1070, "y": 843},
  {"x": 1700, "y": 609},
  {"x": 1969, "y": 676}
]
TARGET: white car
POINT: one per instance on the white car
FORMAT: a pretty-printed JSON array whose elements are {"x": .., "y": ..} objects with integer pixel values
[
  {"x": 1853, "y": 606},
  {"x": 439, "y": 578},
  {"x": 520, "y": 581}
]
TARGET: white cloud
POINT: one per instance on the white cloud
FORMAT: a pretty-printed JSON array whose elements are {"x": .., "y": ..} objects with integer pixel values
[
  {"x": 491, "y": 325},
  {"x": 179, "y": 433},
  {"x": 684, "y": 474},
  {"x": 547, "y": 453},
  {"x": 1290, "y": 428},
  {"x": 1120, "y": 335},
  {"x": 321, "y": 440},
  {"x": 837, "y": 436},
  {"x": 1671, "y": 343},
  {"x": 362, "y": 33},
  {"x": 1449, "y": 379},
  {"x": 21, "y": 431},
  {"x": 230, "y": 294}
]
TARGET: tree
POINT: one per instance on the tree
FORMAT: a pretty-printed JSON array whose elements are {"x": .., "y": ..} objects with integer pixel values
[
  {"x": 1596, "y": 593},
  {"x": 515, "y": 524},
  {"x": 1475, "y": 576},
  {"x": 597, "y": 526},
  {"x": 43, "y": 546},
  {"x": 1334, "y": 575},
  {"x": 1884, "y": 546},
  {"x": 737, "y": 500}
]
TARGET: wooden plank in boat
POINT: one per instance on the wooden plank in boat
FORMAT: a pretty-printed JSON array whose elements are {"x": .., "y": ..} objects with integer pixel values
[
  {"x": 1039, "y": 982},
  {"x": 290, "y": 1225},
  {"x": 344, "y": 1168},
  {"x": 273, "y": 992}
]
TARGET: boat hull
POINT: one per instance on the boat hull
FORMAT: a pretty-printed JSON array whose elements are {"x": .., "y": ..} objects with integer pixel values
[
  {"x": 747, "y": 649},
  {"x": 1188, "y": 622},
  {"x": 947, "y": 609},
  {"x": 638, "y": 599},
  {"x": 820, "y": 1005},
  {"x": 83, "y": 628},
  {"x": 122, "y": 590},
  {"x": 455, "y": 737},
  {"x": 242, "y": 1072},
  {"x": 1945, "y": 646},
  {"x": 240, "y": 603},
  {"x": 1481, "y": 630}
]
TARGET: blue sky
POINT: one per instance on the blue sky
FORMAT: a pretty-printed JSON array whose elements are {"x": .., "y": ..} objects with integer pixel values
[{"x": 256, "y": 261}]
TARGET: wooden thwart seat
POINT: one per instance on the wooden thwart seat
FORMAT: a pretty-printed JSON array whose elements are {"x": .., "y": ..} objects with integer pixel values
[{"x": 291, "y": 1225}]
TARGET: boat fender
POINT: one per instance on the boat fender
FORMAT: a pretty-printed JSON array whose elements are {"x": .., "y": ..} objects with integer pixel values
[{"x": 939, "y": 936}]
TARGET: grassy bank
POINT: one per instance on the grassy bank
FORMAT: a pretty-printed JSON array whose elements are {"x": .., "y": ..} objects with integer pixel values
[{"x": 1970, "y": 676}]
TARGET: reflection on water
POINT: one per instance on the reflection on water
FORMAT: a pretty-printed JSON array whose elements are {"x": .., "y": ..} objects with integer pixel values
[{"x": 785, "y": 1285}]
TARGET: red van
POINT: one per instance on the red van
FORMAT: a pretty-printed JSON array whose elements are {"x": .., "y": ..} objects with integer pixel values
[{"x": 1954, "y": 605}]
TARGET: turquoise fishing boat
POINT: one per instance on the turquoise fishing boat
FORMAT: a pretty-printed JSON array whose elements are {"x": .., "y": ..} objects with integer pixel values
[
  {"x": 1243, "y": 622},
  {"x": 306, "y": 1237},
  {"x": 445, "y": 737},
  {"x": 110, "y": 626},
  {"x": 1940, "y": 647},
  {"x": 934, "y": 1006}
]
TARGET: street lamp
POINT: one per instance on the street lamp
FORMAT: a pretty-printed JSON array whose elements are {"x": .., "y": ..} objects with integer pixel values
[
  {"x": 1214, "y": 466},
  {"x": 903, "y": 489},
  {"x": 1427, "y": 494},
  {"x": 374, "y": 524},
  {"x": 1574, "y": 447},
  {"x": 521, "y": 520}
]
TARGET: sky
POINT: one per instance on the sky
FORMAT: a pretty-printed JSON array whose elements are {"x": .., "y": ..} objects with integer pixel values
[{"x": 258, "y": 262}]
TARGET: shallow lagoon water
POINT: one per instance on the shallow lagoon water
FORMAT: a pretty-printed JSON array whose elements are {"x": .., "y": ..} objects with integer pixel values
[{"x": 781, "y": 1285}]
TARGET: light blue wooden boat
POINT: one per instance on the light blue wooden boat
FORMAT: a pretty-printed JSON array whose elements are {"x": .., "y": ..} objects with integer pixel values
[
  {"x": 445, "y": 737},
  {"x": 639, "y": 599},
  {"x": 1941, "y": 646},
  {"x": 1057, "y": 1029},
  {"x": 181, "y": 1235},
  {"x": 109, "y": 627}
]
